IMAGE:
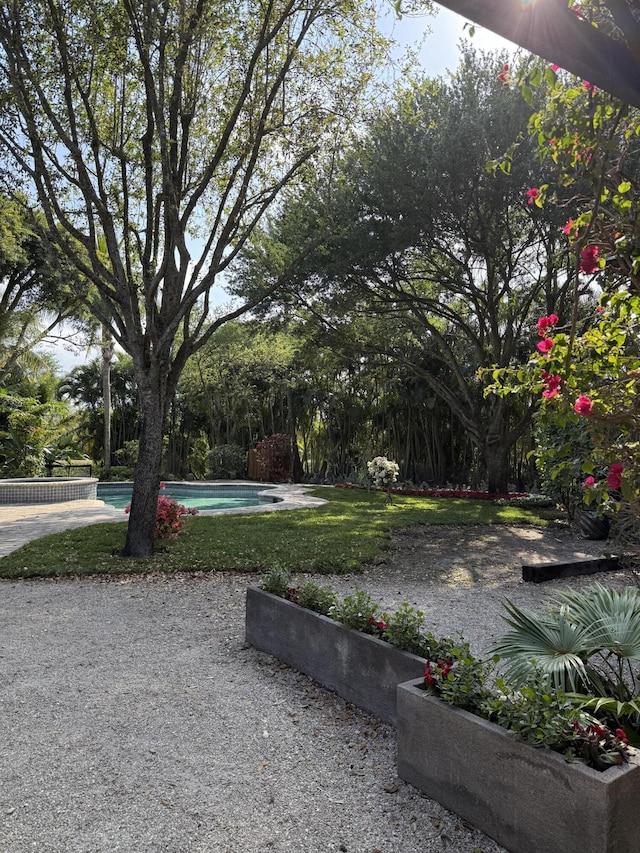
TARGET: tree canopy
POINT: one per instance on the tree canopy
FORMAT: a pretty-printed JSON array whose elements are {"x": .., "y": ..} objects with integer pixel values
[
  {"x": 430, "y": 256},
  {"x": 154, "y": 136}
]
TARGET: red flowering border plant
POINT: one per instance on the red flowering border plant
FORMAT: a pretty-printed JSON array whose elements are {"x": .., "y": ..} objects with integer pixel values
[
  {"x": 538, "y": 711},
  {"x": 471, "y": 494},
  {"x": 170, "y": 517}
]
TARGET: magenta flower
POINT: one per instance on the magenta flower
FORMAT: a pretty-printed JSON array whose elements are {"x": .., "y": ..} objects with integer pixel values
[
  {"x": 589, "y": 262},
  {"x": 614, "y": 478},
  {"x": 532, "y": 195},
  {"x": 583, "y": 405},
  {"x": 544, "y": 323},
  {"x": 568, "y": 226},
  {"x": 553, "y": 382},
  {"x": 589, "y": 483},
  {"x": 614, "y": 481},
  {"x": 545, "y": 345}
]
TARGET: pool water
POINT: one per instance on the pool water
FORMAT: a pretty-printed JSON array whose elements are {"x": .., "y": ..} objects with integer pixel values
[{"x": 191, "y": 495}]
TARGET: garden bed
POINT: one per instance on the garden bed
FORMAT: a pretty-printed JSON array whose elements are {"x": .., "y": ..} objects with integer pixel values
[
  {"x": 359, "y": 667},
  {"x": 529, "y": 800}
]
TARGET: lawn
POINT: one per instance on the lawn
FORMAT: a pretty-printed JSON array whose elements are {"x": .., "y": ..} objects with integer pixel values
[{"x": 339, "y": 537}]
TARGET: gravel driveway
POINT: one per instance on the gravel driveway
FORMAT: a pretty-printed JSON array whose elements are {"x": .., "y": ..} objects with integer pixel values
[{"x": 134, "y": 718}]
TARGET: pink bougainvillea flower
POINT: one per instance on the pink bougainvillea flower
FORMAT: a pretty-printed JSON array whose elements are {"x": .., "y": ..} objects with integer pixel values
[
  {"x": 544, "y": 323},
  {"x": 614, "y": 478},
  {"x": 568, "y": 226},
  {"x": 589, "y": 86},
  {"x": 503, "y": 76},
  {"x": 532, "y": 195},
  {"x": 589, "y": 261},
  {"x": 545, "y": 345},
  {"x": 589, "y": 483},
  {"x": 614, "y": 481},
  {"x": 583, "y": 405},
  {"x": 553, "y": 382}
]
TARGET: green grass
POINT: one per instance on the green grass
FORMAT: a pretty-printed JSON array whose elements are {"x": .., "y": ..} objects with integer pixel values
[{"x": 350, "y": 530}]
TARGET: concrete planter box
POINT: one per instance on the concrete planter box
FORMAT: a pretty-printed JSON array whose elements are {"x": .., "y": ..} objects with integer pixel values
[
  {"x": 360, "y": 668},
  {"x": 529, "y": 800}
]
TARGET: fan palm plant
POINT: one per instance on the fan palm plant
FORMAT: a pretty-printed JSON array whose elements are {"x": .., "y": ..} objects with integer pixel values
[{"x": 587, "y": 641}]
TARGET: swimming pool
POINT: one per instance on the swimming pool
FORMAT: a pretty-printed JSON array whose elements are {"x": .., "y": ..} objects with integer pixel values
[{"x": 203, "y": 496}]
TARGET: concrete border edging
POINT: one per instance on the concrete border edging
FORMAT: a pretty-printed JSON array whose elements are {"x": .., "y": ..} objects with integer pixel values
[
  {"x": 359, "y": 667},
  {"x": 529, "y": 800}
]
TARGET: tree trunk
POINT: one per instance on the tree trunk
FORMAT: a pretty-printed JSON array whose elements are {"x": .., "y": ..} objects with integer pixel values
[
  {"x": 496, "y": 457},
  {"x": 144, "y": 501},
  {"x": 107, "y": 355}
]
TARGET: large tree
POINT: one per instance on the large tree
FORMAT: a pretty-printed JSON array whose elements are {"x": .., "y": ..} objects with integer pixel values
[
  {"x": 154, "y": 136},
  {"x": 454, "y": 259}
]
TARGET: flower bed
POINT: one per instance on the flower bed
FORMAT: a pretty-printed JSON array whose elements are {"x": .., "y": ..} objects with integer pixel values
[
  {"x": 529, "y": 800},
  {"x": 360, "y": 667},
  {"x": 446, "y": 493}
]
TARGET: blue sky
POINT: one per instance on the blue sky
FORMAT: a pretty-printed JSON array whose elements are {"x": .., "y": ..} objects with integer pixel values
[{"x": 440, "y": 50}]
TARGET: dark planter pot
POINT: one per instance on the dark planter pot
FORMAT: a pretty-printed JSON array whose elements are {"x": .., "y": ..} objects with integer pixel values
[
  {"x": 529, "y": 800},
  {"x": 593, "y": 526},
  {"x": 360, "y": 668}
]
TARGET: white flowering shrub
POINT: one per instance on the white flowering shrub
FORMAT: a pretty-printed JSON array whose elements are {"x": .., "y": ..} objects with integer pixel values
[{"x": 383, "y": 471}]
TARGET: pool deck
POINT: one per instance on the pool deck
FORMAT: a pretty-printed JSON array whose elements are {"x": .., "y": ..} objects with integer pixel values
[{"x": 24, "y": 522}]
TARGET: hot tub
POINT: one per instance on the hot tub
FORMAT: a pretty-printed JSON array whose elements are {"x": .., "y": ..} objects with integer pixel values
[{"x": 47, "y": 490}]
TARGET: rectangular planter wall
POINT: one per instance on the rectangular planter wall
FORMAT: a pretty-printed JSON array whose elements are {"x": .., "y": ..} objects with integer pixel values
[
  {"x": 360, "y": 668},
  {"x": 529, "y": 800}
]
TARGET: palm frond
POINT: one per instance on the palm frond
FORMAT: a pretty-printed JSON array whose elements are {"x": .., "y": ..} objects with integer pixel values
[{"x": 550, "y": 643}]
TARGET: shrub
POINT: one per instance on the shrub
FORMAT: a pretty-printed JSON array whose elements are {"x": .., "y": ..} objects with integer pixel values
[
  {"x": 320, "y": 599},
  {"x": 170, "y": 517},
  {"x": 227, "y": 461}
]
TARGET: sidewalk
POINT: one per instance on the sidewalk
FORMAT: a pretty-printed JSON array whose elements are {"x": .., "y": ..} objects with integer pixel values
[{"x": 25, "y": 522}]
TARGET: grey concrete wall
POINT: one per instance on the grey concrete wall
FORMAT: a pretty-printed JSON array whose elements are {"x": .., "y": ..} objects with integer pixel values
[
  {"x": 359, "y": 667},
  {"x": 529, "y": 800}
]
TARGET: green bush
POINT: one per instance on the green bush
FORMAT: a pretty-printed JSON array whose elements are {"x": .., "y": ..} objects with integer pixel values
[
  {"x": 117, "y": 473},
  {"x": 320, "y": 599},
  {"x": 227, "y": 461}
]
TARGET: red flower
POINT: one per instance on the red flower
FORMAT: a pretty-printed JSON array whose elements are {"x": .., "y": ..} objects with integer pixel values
[
  {"x": 620, "y": 734},
  {"x": 614, "y": 478},
  {"x": 532, "y": 195},
  {"x": 589, "y": 262},
  {"x": 583, "y": 405},
  {"x": 503, "y": 76},
  {"x": 553, "y": 382},
  {"x": 428, "y": 678},
  {"x": 568, "y": 226},
  {"x": 545, "y": 344},
  {"x": 589, "y": 483},
  {"x": 544, "y": 323},
  {"x": 555, "y": 68}
]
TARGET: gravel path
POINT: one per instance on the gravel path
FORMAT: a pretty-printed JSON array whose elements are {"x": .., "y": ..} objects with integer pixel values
[{"x": 135, "y": 719}]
